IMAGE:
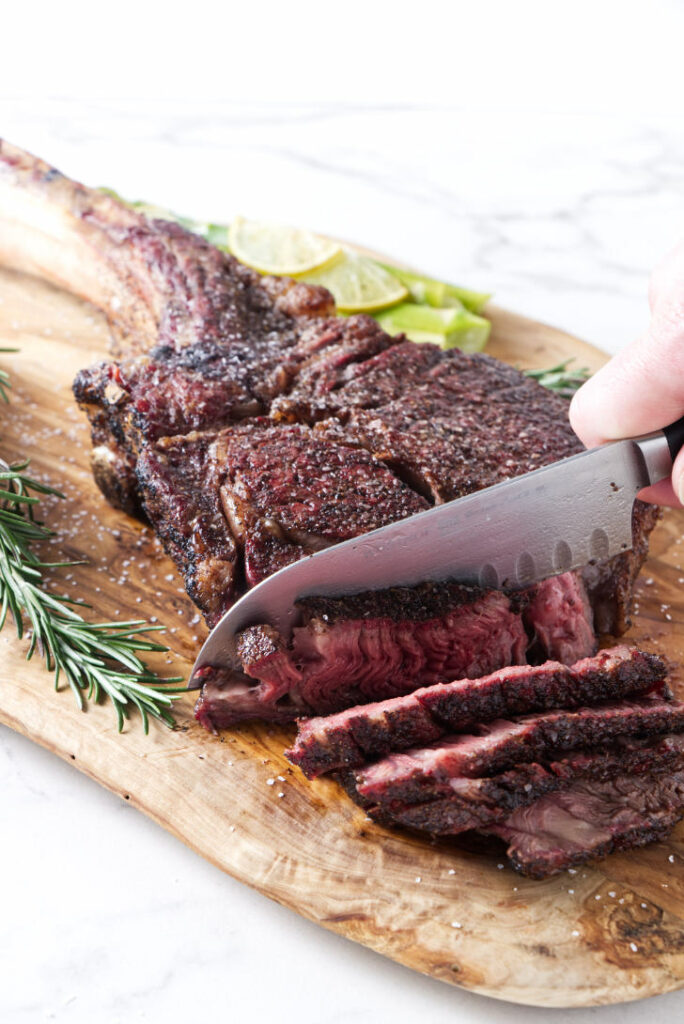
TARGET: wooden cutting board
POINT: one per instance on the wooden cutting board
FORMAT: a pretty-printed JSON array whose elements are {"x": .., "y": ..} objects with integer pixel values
[{"x": 602, "y": 935}]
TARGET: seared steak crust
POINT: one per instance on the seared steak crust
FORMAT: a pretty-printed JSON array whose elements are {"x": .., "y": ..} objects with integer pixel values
[
  {"x": 207, "y": 383},
  {"x": 452, "y": 424},
  {"x": 399, "y": 604},
  {"x": 308, "y": 491},
  {"x": 266, "y": 496}
]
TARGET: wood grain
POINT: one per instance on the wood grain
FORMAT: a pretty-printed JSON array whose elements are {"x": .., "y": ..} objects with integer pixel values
[{"x": 606, "y": 934}]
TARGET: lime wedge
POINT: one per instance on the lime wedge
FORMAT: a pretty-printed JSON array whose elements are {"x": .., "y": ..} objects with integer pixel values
[
  {"x": 217, "y": 234},
  {"x": 452, "y": 327},
  {"x": 438, "y": 293},
  {"x": 278, "y": 249},
  {"x": 359, "y": 284}
]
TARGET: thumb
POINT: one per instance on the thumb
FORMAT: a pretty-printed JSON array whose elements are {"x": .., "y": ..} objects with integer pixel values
[{"x": 642, "y": 388}]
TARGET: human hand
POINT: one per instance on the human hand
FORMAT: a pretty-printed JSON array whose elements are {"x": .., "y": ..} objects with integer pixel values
[{"x": 642, "y": 388}]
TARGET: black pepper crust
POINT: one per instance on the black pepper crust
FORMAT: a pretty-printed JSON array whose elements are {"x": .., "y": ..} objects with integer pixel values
[{"x": 418, "y": 604}]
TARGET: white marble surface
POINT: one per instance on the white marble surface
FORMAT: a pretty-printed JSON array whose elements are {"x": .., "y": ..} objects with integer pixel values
[{"x": 104, "y": 917}]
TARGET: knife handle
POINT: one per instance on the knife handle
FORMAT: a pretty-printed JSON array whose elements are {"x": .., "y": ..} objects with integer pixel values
[{"x": 674, "y": 435}]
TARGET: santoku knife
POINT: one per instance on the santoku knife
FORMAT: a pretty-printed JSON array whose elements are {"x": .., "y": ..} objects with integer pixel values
[{"x": 560, "y": 517}]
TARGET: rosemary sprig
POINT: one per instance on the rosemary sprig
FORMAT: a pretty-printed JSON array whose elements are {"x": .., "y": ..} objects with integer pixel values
[
  {"x": 559, "y": 379},
  {"x": 95, "y": 658}
]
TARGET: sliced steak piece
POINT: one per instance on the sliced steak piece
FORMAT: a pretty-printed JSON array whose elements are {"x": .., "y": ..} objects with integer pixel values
[
  {"x": 481, "y": 803},
  {"x": 428, "y": 773},
  {"x": 591, "y": 819},
  {"x": 361, "y": 734},
  {"x": 375, "y": 645}
]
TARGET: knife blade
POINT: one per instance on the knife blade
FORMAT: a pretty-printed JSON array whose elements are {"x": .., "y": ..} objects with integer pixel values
[{"x": 560, "y": 517}]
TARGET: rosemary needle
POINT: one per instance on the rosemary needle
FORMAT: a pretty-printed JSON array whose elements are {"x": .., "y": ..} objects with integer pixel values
[
  {"x": 559, "y": 379},
  {"x": 96, "y": 659},
  {"x": 5, "y": 382}
]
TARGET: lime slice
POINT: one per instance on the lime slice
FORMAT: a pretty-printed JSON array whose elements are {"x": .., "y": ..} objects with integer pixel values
[
  {"x": 278, "y": 249},
  {"x": 450, "y": 327},
  {"x": 359, "y": 284},
  {"x": 431, "y": 292}
]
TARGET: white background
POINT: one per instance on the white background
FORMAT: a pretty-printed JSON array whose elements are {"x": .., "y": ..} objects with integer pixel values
[{"x": 536, "y": 150}]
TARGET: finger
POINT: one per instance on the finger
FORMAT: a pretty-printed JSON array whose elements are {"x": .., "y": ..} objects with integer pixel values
[
  {"x": 662, "y": 493},
  {"x": 640, "y": 390},
  {"x": 678, "y": 477},
  {"x": 668, "y": 492}
]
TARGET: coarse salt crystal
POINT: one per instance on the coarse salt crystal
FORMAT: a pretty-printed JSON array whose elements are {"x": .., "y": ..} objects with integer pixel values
[
  {"x": 418, "y": 878},
  {"x": 633, "y": 946},
  {"x": 456, "y": 924},
  {"x": 270, "y": 782}
]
